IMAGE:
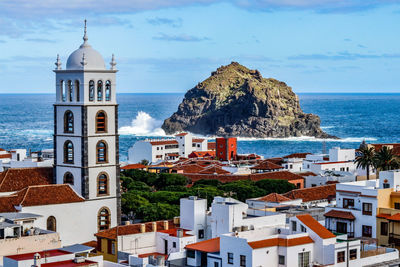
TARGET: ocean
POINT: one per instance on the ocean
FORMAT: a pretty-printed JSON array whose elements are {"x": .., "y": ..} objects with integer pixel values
[{"x": 26, "y": 121}]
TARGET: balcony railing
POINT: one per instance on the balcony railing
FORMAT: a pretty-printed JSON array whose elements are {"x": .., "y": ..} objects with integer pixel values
[{"x": 394, "y": 239}]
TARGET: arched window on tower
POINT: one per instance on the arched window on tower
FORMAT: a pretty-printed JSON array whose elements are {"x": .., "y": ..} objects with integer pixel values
[
  {"x": 52, "y": 224},
  {"x": 68, "y": 178},
  {"x": 101, "y": 152},
  {"x": 108, "y": 90},
  {"x": 91, "y": 91},
  {"x": 101, "y": 122},
  {"x": 103, "y": 219},
  {"x": 68, "y": 152},
  {"x": 100, "y": 91},
  {"x": 62, "y": 91},
  {"x": 68, "y": 122},
  {"x": 102, "y": 184},
  {"x": 77, "y": 91},
  {"x": 70, "y": 93}
]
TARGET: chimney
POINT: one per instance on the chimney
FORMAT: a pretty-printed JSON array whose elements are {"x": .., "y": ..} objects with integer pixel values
[
  {"x": 142, "y": 228},
  {"x": 166, "y": 224},
  {"x": 36, "y": 260},
  {"x": 154, "y": 226}
]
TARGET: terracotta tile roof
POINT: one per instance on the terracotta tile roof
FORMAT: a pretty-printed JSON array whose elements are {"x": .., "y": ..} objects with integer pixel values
[
  {"x": 163, "y": 142},
  {"x": 340, "y": 214},
  {"x": 305, "y": 174},
  {"x": 214, "y": 169},
  {"x": 133, "y": 167},
  {"x": 197, "y": 140},
  {"x": 190, "y": 168},
  {"x": 383, "y": 215},
  {"x": 266, "y": 165},
  {"x": 181, "y": 134},
  {"x": 16, "y": 179},
  {"x": 133, "y": 229},
  {"x": 313, "y": 193},
  {"x": 152, "y": 254},
  {"x": 281, "y": 242},
  {"x": 275, "y": 160},
  {"x": 211, "y": 145},
  {"x": 202, "y": 154},
  {"x": 274, "y": 197},
  {"x": 39, "y": 195},
  {"x": 1, "y": 149},
  {"x": 395, "y": 217},
  {"x": 332, "y": 162},
  {"x": 280, "y": 175},
  {"x": 92, "y": 244},
  {"x": 209, "y": 246},
  {"x": 174, "y": 232},
  {"x": 297, "y": 155},
  {"x": 315, "y": 226},
  {"x": 5, "y": 156},
  {"x": 173, "y": 154}
]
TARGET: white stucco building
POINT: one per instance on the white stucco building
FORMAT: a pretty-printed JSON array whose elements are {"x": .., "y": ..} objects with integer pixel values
[
  {"x": 155, "y": 150},
  {"x": 18, "y": 158}
]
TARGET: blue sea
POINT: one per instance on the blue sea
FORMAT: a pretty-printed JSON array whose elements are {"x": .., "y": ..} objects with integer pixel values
[{"x": 26, "y": 121}]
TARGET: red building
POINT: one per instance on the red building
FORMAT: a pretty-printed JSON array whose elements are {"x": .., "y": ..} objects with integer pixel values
[{"x": 226, "y": 148}]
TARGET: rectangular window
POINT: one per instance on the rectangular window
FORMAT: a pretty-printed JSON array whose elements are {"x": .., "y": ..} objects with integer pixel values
[
  {"x": 190, "y": 254},
  {"x": 201, "y": 234},
  {"x": 294, "y": 226},
  {"x": 216, "y": 264},
  {"x": 174, "y": 244},
  {"x": 384, "y": 228},
  {"x": 230, "y": 258},
  {"x": 242, "y": 261},
  {"x": 304, "y": 259},
  {"x": 291, "y": 166},
  {"x": 366, "y": 231},
  {"x": 386, "y": 185},
  {"x": 397, "y": 205},
  {"x": 341, "y": 227},
  {"x": 367, "y": 209},
  {"x": 313, "y": 185},
  {"x": 281, "y": 260},
  {"x": 303, "y": 229},
  {"x": 341, "y": 257},
  {"x": 348, "y": 202},
  {"x": 353, "y": 254}
]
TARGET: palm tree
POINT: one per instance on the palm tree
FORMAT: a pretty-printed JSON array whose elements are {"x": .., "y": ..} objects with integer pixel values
[
  {"x": 366, "y": 159},
  {"x": 386, "y": 160}
]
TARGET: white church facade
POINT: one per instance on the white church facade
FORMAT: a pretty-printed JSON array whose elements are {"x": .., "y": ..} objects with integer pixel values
[{"x": 86, "y": 157}]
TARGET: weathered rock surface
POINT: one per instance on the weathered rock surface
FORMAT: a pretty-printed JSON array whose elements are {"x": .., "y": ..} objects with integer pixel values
[{"x": 237, "y": 101}]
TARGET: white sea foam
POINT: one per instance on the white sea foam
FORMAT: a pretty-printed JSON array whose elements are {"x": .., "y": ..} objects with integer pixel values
[
  {"x": 327, "y": 127},
  {"x": 143, "y": 125},
  {"x": 37, "y": 132}
]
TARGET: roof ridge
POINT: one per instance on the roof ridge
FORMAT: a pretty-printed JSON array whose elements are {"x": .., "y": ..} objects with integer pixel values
[{"x": 4, "y": 177}]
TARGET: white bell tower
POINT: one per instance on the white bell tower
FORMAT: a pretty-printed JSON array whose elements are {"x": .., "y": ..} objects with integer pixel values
[{"x": 86, "y": 141}]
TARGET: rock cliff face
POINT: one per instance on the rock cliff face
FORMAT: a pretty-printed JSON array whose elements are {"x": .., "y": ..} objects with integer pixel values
[{"x": 236, "y": 101}]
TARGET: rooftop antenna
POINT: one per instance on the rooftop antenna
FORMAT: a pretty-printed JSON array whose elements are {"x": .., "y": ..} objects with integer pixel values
[{"x": 85, "y": 38}]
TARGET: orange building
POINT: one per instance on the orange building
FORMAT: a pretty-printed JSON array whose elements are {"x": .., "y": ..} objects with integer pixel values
[{"x": 226, "y": 148}]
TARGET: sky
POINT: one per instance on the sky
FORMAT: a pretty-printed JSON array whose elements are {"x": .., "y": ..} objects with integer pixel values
[{"x": 169, "y": 46}]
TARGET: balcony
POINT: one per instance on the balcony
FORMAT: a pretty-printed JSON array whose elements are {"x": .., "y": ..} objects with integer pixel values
[
  {"x": 394, "y": 239},
  {"x": 370, "y": 250}
]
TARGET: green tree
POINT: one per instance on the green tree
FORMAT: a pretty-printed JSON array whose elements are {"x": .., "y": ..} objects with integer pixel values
[
  {"x": 367, "y": 159},
  {"x": 385, "y": 159},
  {"x": 132, "y": 202},
  {"x": 158, "y": 211},
  {"x": 275, "y": 186},
  {"x": 212, "y": 182},
  {"x": 143, "y": 176},
  {"x": 168, "y": 179},
  {"x": 205, "y": 191},
  {"x": 242, "y": 190}
]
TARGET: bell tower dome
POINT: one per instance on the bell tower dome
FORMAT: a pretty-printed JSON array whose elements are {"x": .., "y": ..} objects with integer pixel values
[{"x": 86, "y": 137}]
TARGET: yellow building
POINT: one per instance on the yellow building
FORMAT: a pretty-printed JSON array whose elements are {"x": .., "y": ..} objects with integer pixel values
[{"x": 388, "y": 223}]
